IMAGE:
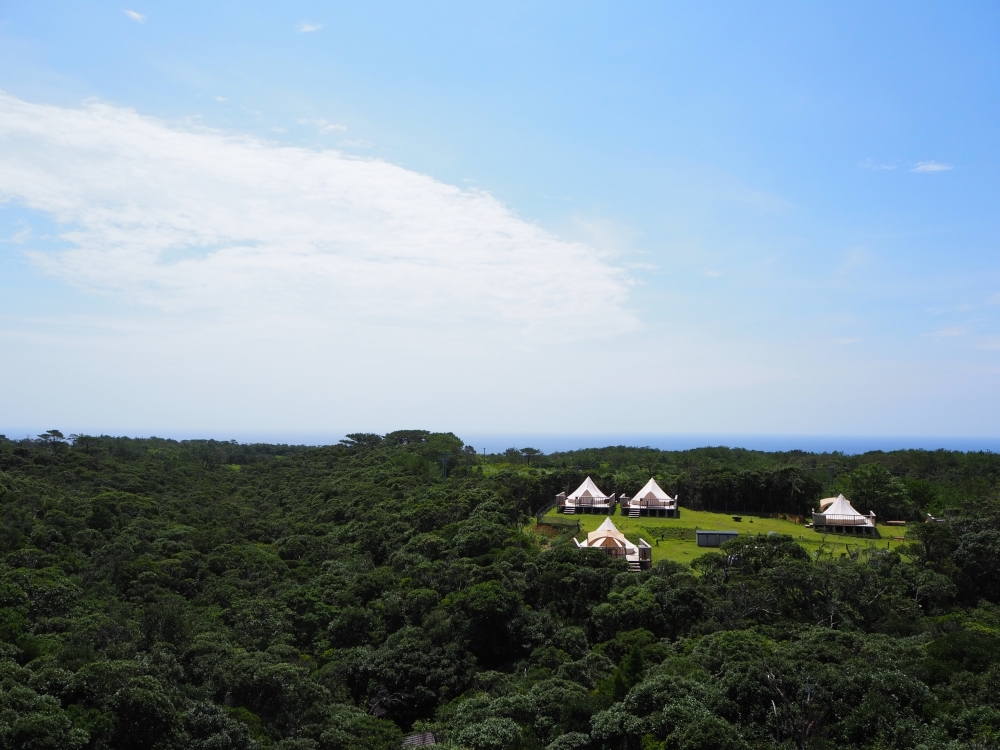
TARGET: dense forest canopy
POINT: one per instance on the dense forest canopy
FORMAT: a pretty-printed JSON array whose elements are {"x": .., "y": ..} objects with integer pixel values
[
  {"x": 213, "y": 595},
  {"x": 899, "y": 485}
]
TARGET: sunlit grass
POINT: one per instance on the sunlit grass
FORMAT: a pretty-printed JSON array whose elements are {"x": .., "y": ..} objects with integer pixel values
[{"x": 686, "y": 550}]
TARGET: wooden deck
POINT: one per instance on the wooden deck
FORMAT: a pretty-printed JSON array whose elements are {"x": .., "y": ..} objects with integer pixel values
[
  {"x": 419, "y": 740},
  {"x": 654, "y": 511},
  {"x": 852, "y": 525}
]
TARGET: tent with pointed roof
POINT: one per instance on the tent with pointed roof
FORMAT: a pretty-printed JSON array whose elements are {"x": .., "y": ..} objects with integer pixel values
[
  {"x": 840, "y": 516},
  {"x": 587, "y": 489},
  {"x": 587, "y": 498},
  {"x": 650, "y": 500},
  {"x": 607, "y": 530},
  {"x": 841, "y": 507},
  {"x": 611, "y": 541},
  {"x": 652, "y": 494}
]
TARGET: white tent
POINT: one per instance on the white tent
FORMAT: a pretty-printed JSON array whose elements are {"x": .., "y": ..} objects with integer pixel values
[
  {"x": 841, "y": 513},
  {"x": 653, "y": 492},
  {"x": 588, "y": 489}
]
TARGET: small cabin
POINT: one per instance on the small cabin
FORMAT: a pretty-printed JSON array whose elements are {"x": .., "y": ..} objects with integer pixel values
[
  {"x": 714, "y": 538},
  {"x": 650, "y": 501},
  {"x": 587, "y": 498},
  {"x": 613, "y": 543},
  {"x": 837, "y": 516}
]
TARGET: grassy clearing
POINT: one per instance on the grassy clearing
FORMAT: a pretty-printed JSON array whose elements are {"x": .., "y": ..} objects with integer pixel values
[{"x": 674, "y": 538}]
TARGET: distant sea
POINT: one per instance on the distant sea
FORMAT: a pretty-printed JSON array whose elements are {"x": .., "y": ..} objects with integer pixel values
[
  {"x": 551, "y": 443},
  {"x": 849, "y": 444}
]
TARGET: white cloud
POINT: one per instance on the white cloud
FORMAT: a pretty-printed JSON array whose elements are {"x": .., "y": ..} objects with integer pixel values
[
  {"x": 603, "y": 234},
  {"x": 19, "y": 237},
  {"x": 219, "y": 98},
  {"x": 870, "y": 164},
  {"x": 948, "y": 333},
  {"x": 305, "y": 27},
  {"x": 137, "y": 17},
  {"x": 931, "y": 166},
  {"x": 196, "y": 221},
  {"x": 854, "y": 258},
  {"x": 324, "y": 126},
  {"x": 712, "y": 273}
]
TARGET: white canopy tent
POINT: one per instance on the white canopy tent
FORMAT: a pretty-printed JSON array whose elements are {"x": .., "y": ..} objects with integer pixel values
[
  {"x": 587, "y": 498},
  {"x": 653, "y": 495},
  {"x": 650, "y": 500},
  {"x": 839, "y": 512},
  {"x": 841, "y": 507},
  {"x": 587, "y": 489}
]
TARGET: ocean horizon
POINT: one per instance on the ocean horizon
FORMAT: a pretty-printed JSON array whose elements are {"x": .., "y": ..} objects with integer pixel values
[{"x": 847, "y": 444}]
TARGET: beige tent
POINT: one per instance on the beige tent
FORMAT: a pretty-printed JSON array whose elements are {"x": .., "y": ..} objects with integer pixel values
[
  {"x": 610, "y": 540},
  {"x": 606, "y": 531}
]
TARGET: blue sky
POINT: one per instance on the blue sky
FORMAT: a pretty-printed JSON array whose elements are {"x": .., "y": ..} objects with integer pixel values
[{"x": 523, "y": 218}]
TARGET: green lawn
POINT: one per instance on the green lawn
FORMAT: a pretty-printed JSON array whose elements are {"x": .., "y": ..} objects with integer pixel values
[{"x": 675, "y": 547}]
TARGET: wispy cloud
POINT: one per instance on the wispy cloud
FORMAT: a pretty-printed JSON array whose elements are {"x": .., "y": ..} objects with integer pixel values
[
  {"x": 990, "y": 343},
  {"x": 712, "y": 273},
  {"x": 324, "y": 126},
  {"x": 845, "y": 341},
  {"x": 948, "y": 333},
  {"x": 854, "y": 259},
  {"x": 931, "y": 166},
  {"x": 135, "y": 16},
  {"x": 355, "y": 143},
  {"x": 19, "y": 237},
  {"x": 196, "y": 219},
  {"x": 219, "y": 98},
  {"x": 872, "y": 164},
  {"x": 307, "y": 26}
]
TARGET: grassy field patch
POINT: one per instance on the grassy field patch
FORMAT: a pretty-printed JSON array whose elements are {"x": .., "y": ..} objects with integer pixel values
[{"x": 674, "y": 538}]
